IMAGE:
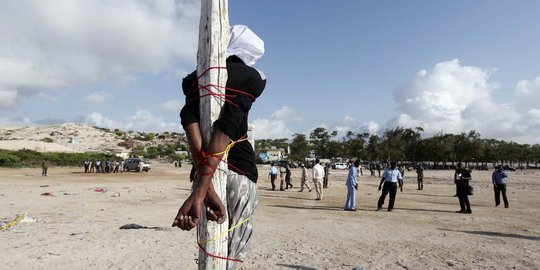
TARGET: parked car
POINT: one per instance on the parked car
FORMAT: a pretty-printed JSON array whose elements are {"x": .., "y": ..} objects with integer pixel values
[
  {"x": 340, "y": 166},
  {"x": 508, "y": 168},
  {"x": 483, "y": 167},
  {"x": 132, "y": 164}
]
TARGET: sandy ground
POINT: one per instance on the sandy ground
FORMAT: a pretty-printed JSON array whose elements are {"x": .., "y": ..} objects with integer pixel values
[{"x": 78, "y": 228}]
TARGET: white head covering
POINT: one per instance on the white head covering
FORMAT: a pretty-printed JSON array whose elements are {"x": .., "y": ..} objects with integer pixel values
[{"x": 245, "y": 44}]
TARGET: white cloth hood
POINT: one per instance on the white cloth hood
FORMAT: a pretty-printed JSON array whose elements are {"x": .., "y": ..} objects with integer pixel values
[{"x": 245, "y": 44}]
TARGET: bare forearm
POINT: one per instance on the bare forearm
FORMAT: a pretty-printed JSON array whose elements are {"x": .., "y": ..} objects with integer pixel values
[
  {"x": 212, "y": 157},
  {"x": 193, "y": 135}
]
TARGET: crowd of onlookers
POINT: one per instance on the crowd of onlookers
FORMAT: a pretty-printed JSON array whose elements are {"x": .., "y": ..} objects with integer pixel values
[{"x": 103, "y": 166}]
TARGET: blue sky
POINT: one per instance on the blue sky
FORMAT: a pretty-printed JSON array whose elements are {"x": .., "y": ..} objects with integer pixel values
[{"x": 449, "y": 66}]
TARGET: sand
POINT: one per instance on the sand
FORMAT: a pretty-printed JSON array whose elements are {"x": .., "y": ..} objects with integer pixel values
[{"x": 78, "y": 228}]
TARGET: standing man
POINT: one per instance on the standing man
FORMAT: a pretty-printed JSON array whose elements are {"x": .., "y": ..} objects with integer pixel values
[
  {"x": 98, "y": 166},
  {"x": 462, "y": 176},
  {"x": 244, "y": 49},
  {"x": 499, "y": 178},
  {"x": 420, "y": 176},
  {"x": 326, "y": 175},
  {"x": 44, "y": 168},
  {"x": 273, "y": 175},
  {"x": 86, "y": 166},
  {"x": 318, "y": 174},
  {"x": 116, "y": 166},
  {"x": 391, "y": 177},
  {"x": 303, "y": 179},
  {"x": 352, "y": 186},
  {"x": 282, "y": 172},
  {"x": 288, "y": 176}
]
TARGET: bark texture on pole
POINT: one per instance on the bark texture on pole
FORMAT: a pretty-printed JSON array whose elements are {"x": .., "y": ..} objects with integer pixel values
[{"x": 213, "y": 39}]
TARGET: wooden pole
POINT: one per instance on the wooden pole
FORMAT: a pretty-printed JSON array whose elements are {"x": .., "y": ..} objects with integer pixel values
[{"x": 213, "y": 39}]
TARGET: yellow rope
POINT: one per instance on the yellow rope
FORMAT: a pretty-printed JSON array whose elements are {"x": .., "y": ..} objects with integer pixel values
[
  {"x": 12, "y": 223},
  {"x": 226, "y": 232},
  {"x": 225, "y": 152}
]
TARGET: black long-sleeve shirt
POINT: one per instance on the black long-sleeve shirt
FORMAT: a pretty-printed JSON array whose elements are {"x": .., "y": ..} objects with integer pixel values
[{"x": 233, "y": 119}]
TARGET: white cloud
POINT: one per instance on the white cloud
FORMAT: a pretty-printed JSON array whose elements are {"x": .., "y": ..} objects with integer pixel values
[
  {"x": 287, "y": 114},
  {"x": 141, "y": 120},
  {"x": 172, "y": 105},
  {"x": 8, "y": 98},
  {"x": 271, "y": 129},
  {"x": 453, "y": 98},
  {"x": 527, "y": 95},
  {"x": 55, "y": 44},
  {"x": 97, "y": 97},
  {"x": 278, "y": 125}
]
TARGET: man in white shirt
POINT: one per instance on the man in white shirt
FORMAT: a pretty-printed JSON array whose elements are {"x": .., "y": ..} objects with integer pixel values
[
  {"x": 318, "y": 175},
  {"x": 391, "y": 177},
  {"x": 273, "y": 175}
]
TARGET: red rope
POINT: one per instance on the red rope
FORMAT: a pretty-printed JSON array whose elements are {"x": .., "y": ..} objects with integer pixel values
[
  {"x": 213, "y": 255},
  {"x": 202, "y": 155},
  {"x": 223, "y": 97}
]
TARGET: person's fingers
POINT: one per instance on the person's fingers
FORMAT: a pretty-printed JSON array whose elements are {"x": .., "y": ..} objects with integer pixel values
[
  {"x": 221, "y": 218},
  {"x": 192, "y": 222},
  {"x": 211, "y": 215}
]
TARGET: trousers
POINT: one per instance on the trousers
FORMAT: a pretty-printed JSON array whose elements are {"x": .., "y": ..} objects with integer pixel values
[
  {"x": 498, "y": 189},
  {"x": 388, "y": 187}
]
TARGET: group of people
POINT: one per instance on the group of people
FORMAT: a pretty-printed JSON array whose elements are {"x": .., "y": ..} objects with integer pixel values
[
  {"x": 392, "y": 179},
  {"x": 319, "y": 175},
  {"x": 100, "y": 166}
]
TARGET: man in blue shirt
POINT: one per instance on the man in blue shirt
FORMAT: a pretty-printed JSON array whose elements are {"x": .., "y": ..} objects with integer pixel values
[
  {"x": 273, "y": 174},
  {"x": 498, "y": 178},
  {"x": 391, "y": 178},
  {"x": 352, "y": 186}
]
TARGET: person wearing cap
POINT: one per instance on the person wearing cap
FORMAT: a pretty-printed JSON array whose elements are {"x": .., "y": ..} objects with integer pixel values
[
  {"x": 499, "y": 178},
  {"x": 244, "y": 84},
  {"x": 391, "y": 178},
  {"x": 463, "y": 176}
]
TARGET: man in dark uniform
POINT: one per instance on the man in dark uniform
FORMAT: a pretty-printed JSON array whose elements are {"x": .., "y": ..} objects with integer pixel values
[
  {"x": 44, "y": 168},
  {"x": 420, "y": 176},
  {"x": 288, "y": 176},
  {"x": 244, "y": 84},
  {"x": 463, "y": 176}
]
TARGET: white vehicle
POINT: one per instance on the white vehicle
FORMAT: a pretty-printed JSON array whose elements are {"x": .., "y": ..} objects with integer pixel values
[
  {"x": 136, "y": 164},
  {"x": 341, "y": 166}
]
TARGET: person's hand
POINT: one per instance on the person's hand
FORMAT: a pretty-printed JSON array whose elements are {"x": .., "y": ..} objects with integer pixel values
[
  {"x": 401, "y": 189},
  {"x": 356, "y": 186},
  {"x": 379, "y": 188},
  {"x": 189, "y": 213},
  {"x": 215, "y": 210}
]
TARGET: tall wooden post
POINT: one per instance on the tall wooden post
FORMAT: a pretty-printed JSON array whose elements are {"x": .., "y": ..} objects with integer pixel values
[{"x": 213, "y": 39}]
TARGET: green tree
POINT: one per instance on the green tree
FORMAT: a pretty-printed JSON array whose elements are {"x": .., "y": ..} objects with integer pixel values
[
  {"x": 355, "y": 145},
  {"x": 299, "y": 147}
]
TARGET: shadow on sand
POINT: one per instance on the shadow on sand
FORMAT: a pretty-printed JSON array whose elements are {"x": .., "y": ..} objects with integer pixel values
[
  {"x": 294, "y": 266},
  {"x": 322, "y": 207},
  {"x": 285, "y": 197},
  {"x": 497, "y": 234},
  {"x": 426, "y": 210}
]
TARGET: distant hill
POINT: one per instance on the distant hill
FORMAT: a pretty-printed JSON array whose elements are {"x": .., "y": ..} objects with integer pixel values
[{"x": 70, "y": 137}]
